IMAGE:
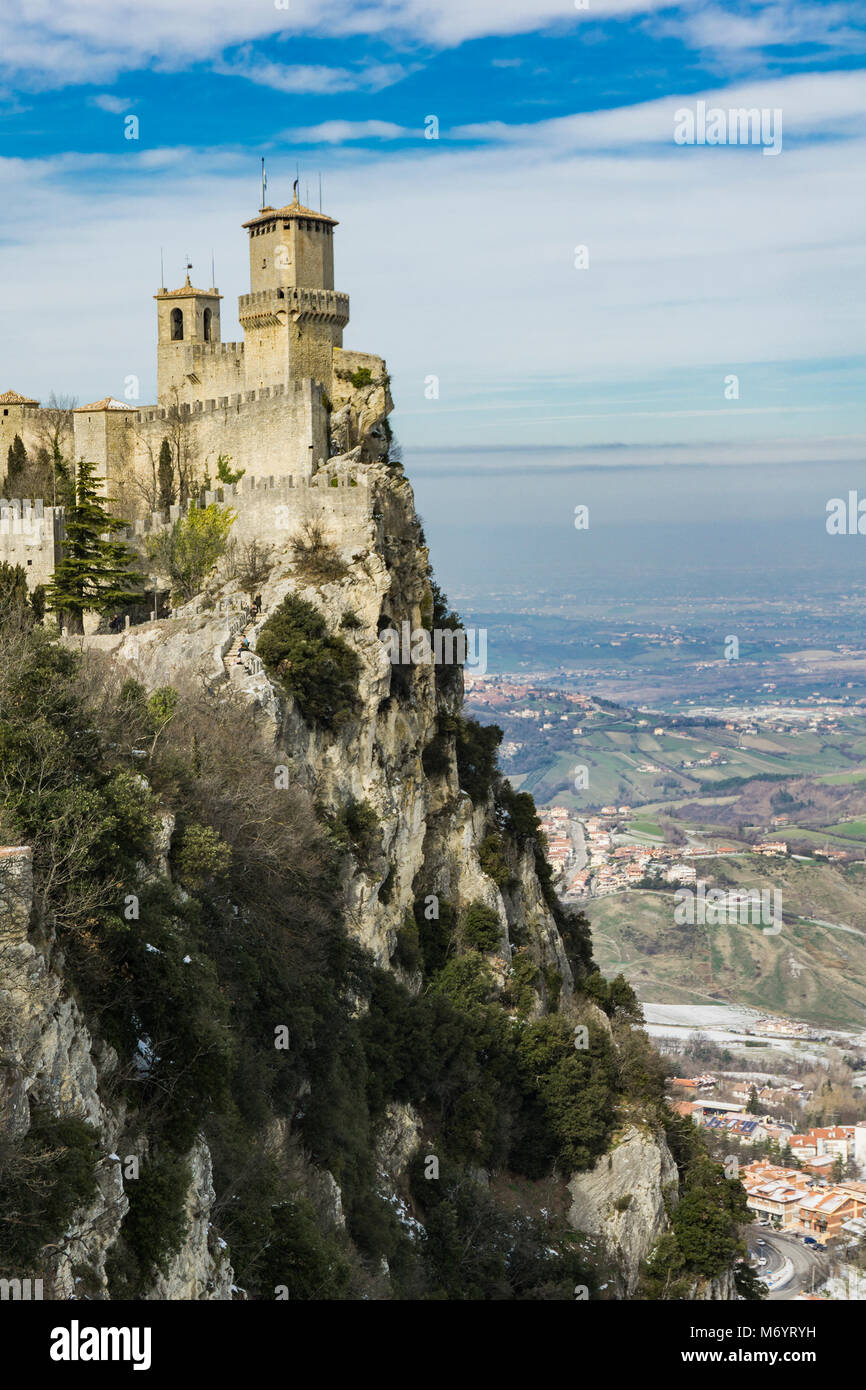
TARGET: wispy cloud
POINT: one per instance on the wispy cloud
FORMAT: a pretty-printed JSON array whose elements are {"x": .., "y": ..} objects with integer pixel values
[
  {"x": 729, "y": 34},
  {"x": 344, "y": 132},
  {"x": 310, "y": 78},
  {"x": 115, "y": 106},
  {"x": 813, "y": 105},
  {"x": 81, "y": 41}
]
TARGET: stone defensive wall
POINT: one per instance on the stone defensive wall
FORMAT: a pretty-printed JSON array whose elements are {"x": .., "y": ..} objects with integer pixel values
[
  {"x": 30, "y": 536},
  {"x": 273, "y": 509},
  {"x": 220, "y": 366},
  {"x": 285, "y": 427}
]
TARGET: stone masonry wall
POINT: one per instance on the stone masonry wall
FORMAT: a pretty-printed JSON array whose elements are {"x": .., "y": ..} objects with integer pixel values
[
  {"x": 272, "y": 510},
  {"x": 276, "y": 431},
  {"x": 30, "y": 536}
]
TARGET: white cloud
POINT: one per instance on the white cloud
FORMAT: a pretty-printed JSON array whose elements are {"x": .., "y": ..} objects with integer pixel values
[
  {"x": 811, "y": 104},
  {"x": 726, "y": 34},
  {"x": 300, "y": 78},
  {"x": 460, "y": 263},
  {"x": 74, "y": 41},
  {"x": 343, "y": 132},
  {"x": 83, "y": 41},
  {"x": 115, "y": 106}
]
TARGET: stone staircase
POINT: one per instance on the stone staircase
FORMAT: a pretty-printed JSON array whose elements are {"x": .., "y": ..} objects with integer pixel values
[{"x": 249, "y": 664}]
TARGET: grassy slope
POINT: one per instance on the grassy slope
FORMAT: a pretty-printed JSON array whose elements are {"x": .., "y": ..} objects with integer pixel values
[{"x": 816, "y": 973}]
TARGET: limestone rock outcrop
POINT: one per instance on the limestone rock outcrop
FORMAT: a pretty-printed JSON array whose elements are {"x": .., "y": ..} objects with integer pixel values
[
  {"x": 621, "y": 1199},
  {"x": 50, "y": 1059}
]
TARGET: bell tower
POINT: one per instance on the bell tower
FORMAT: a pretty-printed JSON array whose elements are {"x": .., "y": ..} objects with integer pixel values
[
  {"x": 187, "y": 319},
  {"x": 293, "y": 318}
]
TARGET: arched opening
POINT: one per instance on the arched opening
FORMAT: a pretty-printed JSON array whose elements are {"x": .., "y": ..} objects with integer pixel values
[
  {"x": 176, "y": 325},
  {"x": 207, "y": 319}
]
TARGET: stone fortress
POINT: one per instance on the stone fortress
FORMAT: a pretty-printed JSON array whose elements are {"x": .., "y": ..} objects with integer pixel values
[{"x": 278, "y": 405}]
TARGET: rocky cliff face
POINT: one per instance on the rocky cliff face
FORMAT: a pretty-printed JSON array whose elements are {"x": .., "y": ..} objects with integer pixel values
[
  {"x": 431, "y": 840},
  {"x": 621, "y": 1200},
  {"x": 360, "y": 406},
  {"x": 376, "y": 758},
  {"x": 50, "y": 1060}
]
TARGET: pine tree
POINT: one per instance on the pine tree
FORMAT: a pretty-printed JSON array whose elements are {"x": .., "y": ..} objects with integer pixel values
[
  {"x": 95, "y": 573},
  {"x": 165, "y": 477},
  {"x": 16, "y": 463}
]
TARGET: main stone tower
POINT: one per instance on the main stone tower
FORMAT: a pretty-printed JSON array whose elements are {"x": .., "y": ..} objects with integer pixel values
[{"x": 293, "y": 318}]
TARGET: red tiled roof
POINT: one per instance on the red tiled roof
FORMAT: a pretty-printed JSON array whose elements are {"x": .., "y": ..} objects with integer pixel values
[
  {"x": 13, "y": 398},
  {"x": 107, "y": 403},
  {"x": 295, "y": 209}
]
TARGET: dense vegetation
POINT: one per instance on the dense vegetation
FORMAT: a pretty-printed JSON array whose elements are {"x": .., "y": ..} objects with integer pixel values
[{"x": 240, "y": 1008}]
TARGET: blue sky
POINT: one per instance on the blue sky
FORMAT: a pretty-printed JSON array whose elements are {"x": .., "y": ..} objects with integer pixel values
[{"x": 555, "y": 130}]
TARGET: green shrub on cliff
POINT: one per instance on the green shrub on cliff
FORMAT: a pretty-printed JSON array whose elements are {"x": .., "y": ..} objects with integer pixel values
[
  {"x": 476, "y": 757},
  {"x": 355, "y": 827},
  {"x": 319, "y": 670},
  {"x": 44, "y": 1177},
  {"x": 154, "y": 1226},
  {"x": 193, "y": 990},
  {"x": 481, "y": 928}
]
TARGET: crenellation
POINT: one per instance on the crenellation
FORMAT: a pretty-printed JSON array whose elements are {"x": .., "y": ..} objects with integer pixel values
[{"x": 31, "y": 535}]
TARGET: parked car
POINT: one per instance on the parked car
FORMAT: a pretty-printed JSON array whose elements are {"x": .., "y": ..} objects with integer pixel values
[{"x": 810, "y": 1240}]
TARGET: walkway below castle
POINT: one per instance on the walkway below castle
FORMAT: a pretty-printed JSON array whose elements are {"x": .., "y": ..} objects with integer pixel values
[{"x": 240, "y": 656}]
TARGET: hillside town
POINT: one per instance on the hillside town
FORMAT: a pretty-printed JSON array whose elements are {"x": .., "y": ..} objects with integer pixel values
[
  {"x": 596, "y": 855},
  {"x": 812, "y": 1184}
]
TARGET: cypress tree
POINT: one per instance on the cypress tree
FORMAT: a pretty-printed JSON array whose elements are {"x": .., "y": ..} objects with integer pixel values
[
  {"x": 165, "y": 477},
  {"x": 17, "y": 605},
  {"x": 96, "y": 572},
  {"x": 16, "y": 463}
]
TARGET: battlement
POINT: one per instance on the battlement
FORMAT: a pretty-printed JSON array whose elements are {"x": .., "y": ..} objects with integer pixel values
[
  {"x": 24, "y": 516},
  {"x": 217, "y": 349},
  {"x": 272, "y": 508},
  {"x": 31, "y": 535},
  {"x": 235, "y": 401},
  {"x": 299, "y": 301}
]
